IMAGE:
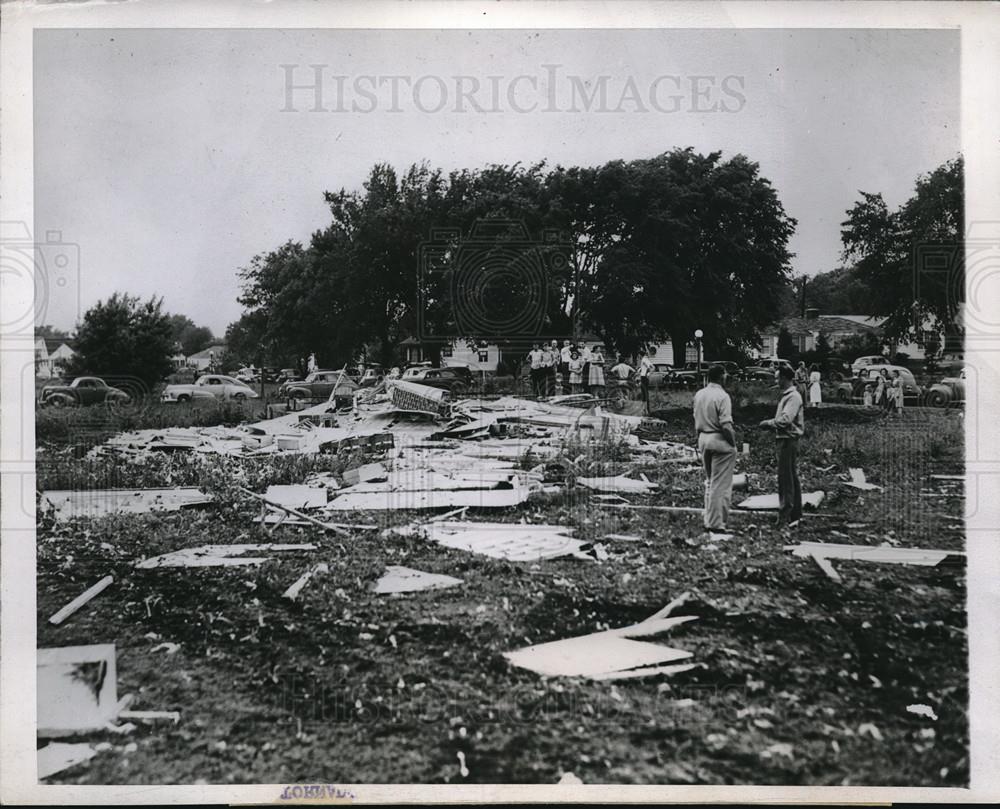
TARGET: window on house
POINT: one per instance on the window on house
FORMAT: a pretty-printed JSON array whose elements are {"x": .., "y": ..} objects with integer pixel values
[{"x": 447, "y": 351}]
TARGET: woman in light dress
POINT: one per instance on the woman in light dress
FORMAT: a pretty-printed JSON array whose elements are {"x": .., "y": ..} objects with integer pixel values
[
  {"x": 596, "y": 380},
  {"x": 897, "y": 391},
  {"x": 815, "y": 392}
]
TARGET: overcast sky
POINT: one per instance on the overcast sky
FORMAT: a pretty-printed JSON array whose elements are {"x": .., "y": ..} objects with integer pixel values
[{"x": 171, "y": 157}]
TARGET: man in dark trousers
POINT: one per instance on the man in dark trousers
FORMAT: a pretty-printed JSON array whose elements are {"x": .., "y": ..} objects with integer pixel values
[{"x": 789, "y": 424}]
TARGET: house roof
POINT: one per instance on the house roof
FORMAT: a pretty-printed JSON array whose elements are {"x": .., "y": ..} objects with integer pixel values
[
  {"x": 825, "y": 324},
  {"x": 53, "y": 343},
  {"x": 214, "y": 350}
]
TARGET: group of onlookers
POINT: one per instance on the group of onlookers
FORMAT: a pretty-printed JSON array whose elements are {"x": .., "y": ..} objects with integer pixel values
[
  {"x": 569, "y": 368},
  {"x": 885, "y": 392}
]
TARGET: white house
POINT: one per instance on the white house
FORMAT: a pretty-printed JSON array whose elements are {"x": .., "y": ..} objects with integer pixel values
[
  {"x": 207, "y": 358},
  {"x": 51, "y": 355}
]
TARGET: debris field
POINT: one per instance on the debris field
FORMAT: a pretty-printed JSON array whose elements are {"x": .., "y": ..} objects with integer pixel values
[{"x": 501, "y": 590}]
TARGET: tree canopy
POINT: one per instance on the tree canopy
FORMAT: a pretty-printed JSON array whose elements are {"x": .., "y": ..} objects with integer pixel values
[
  {"x": 911, "y": 259},
  {"x": 190, "y": 337},
  {"x": 635, "y": 251},
  {"x": 123, "y": 337}
]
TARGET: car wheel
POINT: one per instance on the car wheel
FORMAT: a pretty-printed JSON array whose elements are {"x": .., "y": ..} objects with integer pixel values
[
  {"x": 58, "y": 401},
  {"x": 843, "y": 396},
  {"x": 937, "y": 398},
  {"x": 239, "y": 397},
  {"x": 457, "y": 389},
  {"x": 297, "y": 394},
  {"x": 184, "y": 398}
]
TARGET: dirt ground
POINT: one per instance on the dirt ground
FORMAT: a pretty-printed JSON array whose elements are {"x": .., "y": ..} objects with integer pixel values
[{"x": 801, "y": 680}]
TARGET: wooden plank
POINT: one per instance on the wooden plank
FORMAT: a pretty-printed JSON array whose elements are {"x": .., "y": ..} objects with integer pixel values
[
  {"x": 826, "y": 566},
  {"x": 81, "y": 600}
]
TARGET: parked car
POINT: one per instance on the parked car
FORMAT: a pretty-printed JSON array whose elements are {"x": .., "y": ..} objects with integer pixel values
[
  {"x": 287, "y": 375},
  {"x": 949, "y": 391},
  {"x": 687, "y": 376},
  {"x": 84, "y": 390},
  {"x": 320, "y": 384},
  {"x": 209, "y": 386},
  {"x": 765, "y": 369},
  {"x": 861, "y": 362},
  {"x": 247, "y": 375},
  {"x": 457, "y": 380},
  {"x": 852, "y": 390},
  {"x": 659, "y": 377}
]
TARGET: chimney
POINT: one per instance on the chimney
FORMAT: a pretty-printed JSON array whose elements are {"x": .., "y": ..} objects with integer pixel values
[{"x": 812, "y": 314}]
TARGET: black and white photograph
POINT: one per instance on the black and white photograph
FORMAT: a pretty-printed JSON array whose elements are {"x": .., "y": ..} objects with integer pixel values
[{"x": 472, "y": 401}]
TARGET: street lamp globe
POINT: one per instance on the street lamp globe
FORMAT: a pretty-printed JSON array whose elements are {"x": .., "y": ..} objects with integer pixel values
[{"x": 699, "y": 333}]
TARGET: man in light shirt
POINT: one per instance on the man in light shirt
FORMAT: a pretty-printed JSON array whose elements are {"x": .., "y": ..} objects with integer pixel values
[
  {"x": 789, "y": 424},
  {"x": 536, "y": 357},
  {"x": 645, "y": 367},
  {"x": 713, "y": 419}
]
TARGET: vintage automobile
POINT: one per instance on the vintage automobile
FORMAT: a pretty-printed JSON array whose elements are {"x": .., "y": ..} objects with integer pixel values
[
  {"x": 457, "y": 380},
  {"x": 948, "y": 392},
  {"x": 84, "y": 390},
  {"x": 864, "y": 362},
  {"x": 764, "y": 370},
  {"x": 320, "y": 384},
  {"x": 209, "y": 386},
  {"x": 659, "y": 377},
  {"x": 852, "y": 390}
]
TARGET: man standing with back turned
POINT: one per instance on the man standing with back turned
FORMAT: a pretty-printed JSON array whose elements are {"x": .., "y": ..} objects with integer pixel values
[
  {"x": 789, "y": 423},
  {"x": 713, "y": 419}
]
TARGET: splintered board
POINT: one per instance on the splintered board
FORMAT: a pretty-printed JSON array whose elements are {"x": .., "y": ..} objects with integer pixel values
[
  {"x": 881, "y": 554},
  {"x": 515, "y": 542},
  {"x": 769, "y": 502},
  {"x": 99, "y": 502},
  {"x": 217, "y": 556},
  {"x": 433, "y": 498}
]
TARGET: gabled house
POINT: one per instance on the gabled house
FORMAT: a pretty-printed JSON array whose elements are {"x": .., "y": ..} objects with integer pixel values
[
  {"x": 51, "y": 356},
  {"x": 208, "y": 358},
  {"x": 805, "y": 331}
]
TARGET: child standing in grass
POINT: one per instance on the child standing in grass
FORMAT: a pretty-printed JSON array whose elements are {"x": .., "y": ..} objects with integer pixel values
[{"x": 868, "y": 397}]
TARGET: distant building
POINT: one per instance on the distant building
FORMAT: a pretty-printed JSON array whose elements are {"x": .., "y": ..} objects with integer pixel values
[
  {"x": 204, "y": 359},
  {"x": 51, "y": 356},
  {"x": 805, "y": 331}
]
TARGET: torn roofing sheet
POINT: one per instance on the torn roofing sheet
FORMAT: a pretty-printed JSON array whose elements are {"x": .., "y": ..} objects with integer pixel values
[
  {"x": 58, "y": 756},
  {"x": 297, "y": 496},
  {"x": 602, "y": 655},
  {"x": 77, "y": 689},
  {"x": 99, "y": 502},
  {"x": 399, "y": 579},
  {"x": 859, "y": 481},
  {"x": 217, "y": 555},
  {"x": 516, "y": 542}
]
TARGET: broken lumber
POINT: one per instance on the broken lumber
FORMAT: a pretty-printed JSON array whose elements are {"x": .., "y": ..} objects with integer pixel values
[
  {"x": 399, "y": 579},
  {"x": 151, "y": 716},
  {"x": 81, "y": 600},
  {"x": 293, "y": 591},
  {"x": 295, "y": 512},
  {"x": 216, "y": 556},
  {"x": 880, "y": 554},
  {"x": 58, "y": 756}
]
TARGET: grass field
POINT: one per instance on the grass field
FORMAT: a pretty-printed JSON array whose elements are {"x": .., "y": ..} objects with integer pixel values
[{"x": 804, "y": 680}]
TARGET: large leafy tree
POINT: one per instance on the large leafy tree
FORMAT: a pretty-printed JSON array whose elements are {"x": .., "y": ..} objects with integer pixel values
[
  {"x": 190, "y": 337},
  {"x": 638, "y": 250},
  {"x": 910, "y": 259},
  {"x": 706, "y": 247},
  {"x": 124, "y": 337}
]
